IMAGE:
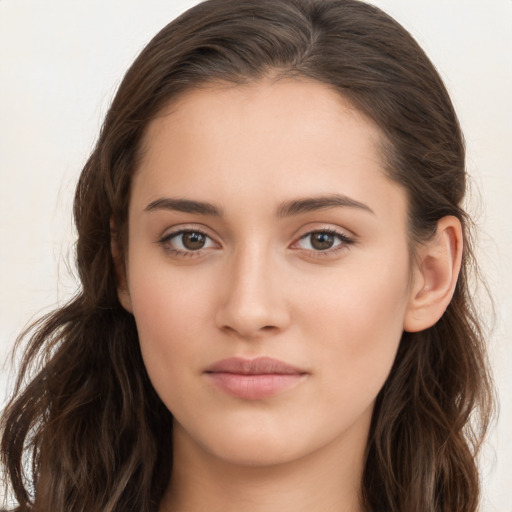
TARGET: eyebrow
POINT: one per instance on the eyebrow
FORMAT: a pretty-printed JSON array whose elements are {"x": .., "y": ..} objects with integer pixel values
[
  {"x": 310, "y": 204},
  {"x": 185, "y": 206},
  {"x": 287, "y": 209}
]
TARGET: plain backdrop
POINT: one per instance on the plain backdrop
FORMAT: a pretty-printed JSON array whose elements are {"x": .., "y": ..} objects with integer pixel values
[{"x": 60, "y": 64}]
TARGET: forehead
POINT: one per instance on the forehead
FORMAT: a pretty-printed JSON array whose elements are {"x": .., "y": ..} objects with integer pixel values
[
  {"x": 289, "y": 137},
  {"x": 263, "y": 107}
]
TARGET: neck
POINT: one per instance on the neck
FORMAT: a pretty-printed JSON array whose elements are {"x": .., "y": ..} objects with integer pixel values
[{"x": 327, "y": 480}]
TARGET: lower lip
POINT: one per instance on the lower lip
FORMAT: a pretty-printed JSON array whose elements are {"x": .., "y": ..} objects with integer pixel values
[{"x": 254, "y": 387}]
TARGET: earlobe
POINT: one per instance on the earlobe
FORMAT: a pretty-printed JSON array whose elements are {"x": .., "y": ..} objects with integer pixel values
[
  {"x": 435, "y": 276},
  {"x": 124, "y": 298},
  {"x": 123, "y": 292}
]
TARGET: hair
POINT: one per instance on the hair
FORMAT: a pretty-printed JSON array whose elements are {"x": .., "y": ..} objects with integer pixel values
[{"x": 85, "y": 430}]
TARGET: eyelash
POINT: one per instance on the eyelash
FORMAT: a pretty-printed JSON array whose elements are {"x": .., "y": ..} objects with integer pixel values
[
  {"x": 165, "y": 242},
  {"x": 343, "y": 239}
]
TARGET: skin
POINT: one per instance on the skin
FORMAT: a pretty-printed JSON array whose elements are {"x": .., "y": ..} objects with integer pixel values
[{"x": 260, "y": 287}]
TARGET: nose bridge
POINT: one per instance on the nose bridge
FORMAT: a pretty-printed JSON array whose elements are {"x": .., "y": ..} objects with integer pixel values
[{"x": 253, "y": 297}]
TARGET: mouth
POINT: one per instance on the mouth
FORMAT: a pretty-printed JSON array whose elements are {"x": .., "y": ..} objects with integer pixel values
[{"x": 254, "y": 379}]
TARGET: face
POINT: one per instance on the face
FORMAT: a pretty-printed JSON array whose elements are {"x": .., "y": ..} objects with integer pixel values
[{"x": 267, "y": 269}]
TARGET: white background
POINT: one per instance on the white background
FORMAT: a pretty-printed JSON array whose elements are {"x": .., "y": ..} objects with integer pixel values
[{"x": 60, "y": 63}]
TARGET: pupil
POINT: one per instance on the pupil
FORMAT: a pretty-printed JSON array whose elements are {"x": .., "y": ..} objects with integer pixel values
[
  {"x": 322, "y": 241},
  {"x": 193, "y": 241}
]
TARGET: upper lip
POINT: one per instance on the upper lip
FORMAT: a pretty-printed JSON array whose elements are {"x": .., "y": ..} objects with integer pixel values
[{"x": 257, "y": 366}]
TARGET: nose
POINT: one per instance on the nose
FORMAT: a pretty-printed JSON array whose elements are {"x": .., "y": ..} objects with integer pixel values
[{"x": 253, "y": 296}]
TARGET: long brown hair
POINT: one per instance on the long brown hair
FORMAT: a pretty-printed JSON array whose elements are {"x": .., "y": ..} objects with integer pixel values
[{"x": 85, "y": 431}]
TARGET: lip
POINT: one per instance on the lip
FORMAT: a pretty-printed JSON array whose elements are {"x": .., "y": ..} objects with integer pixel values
[{"x": 254, "y": 379}]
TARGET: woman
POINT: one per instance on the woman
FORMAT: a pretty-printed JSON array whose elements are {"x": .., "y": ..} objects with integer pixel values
[{"x": 274, "y": 311}]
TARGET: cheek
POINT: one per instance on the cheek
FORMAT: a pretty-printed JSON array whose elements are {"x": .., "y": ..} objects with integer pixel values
[
  {"x": 354, "y": 325},
  {"x": 172, "y": 314}
]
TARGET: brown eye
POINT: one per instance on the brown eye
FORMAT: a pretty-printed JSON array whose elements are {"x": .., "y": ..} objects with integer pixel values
[
  {"x": 187, "y": 242},
  {"x": 322, "y": 241},
  {"x": 192, "y": 240}
]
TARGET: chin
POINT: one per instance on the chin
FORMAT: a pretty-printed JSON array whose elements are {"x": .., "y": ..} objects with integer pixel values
[
  {"x": 258, "y": 453},
  {"x": 253, "y": 444}
]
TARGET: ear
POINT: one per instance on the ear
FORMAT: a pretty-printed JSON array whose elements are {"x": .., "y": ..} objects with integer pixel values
[
  {"x": 123, "y": 292},
  {"x": 435, "y": 275}
]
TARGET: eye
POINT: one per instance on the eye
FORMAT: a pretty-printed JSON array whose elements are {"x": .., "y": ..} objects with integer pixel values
[
  {"x": 187, "y": 241},
  {"x": 323, "y": 241}
]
